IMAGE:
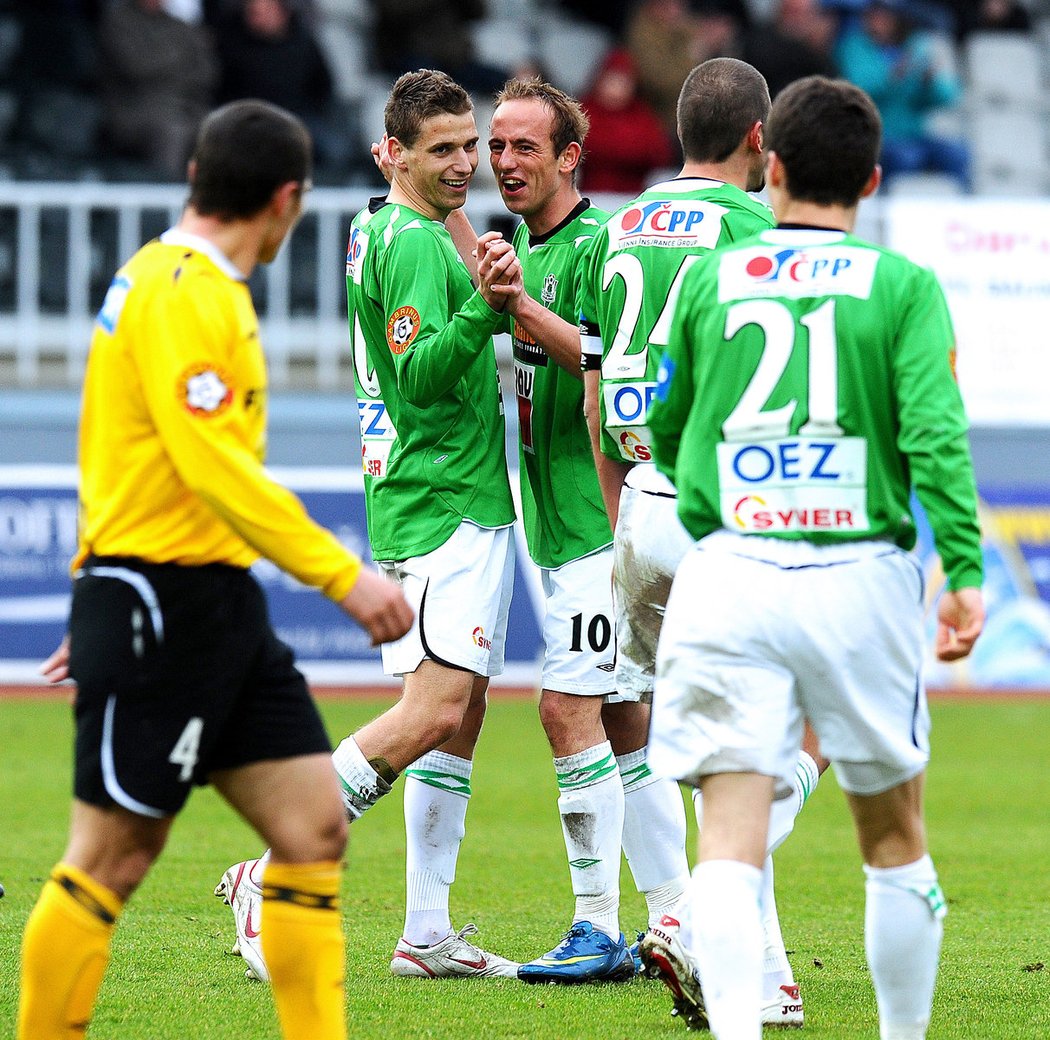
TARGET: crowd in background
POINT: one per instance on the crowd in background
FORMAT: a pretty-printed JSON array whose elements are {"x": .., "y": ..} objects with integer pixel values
[{"x": 115, "y": 89}]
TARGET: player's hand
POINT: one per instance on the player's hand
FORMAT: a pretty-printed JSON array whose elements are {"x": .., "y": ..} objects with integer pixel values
[
  {"x": 378, "y": 606},
  {"x": 960, "y": 618},
  {"x": 499, "y": 271},
  {"x": 56, "y": 668},
  {"x": 382, "y": 158}
]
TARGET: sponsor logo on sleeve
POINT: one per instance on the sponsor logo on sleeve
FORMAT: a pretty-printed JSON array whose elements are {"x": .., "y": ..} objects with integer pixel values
[
  {"x": 355, "y": 254},
  {"x": 205, "y": 390},
  {"x": 113, "y": 304},
  {"x": 402, "y": 329}
]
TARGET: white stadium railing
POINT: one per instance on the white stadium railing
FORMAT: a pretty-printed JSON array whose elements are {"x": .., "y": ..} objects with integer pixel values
[{"x": 61, "y": 243}]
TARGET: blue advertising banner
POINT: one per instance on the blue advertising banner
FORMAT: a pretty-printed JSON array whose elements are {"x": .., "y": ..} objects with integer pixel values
[{"x": 38, "y": 539}]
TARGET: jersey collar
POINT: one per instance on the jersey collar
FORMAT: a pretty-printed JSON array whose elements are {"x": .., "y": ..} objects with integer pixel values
[
  {"x": 175, "y": 237},
  {"x": 581, "y": 207}
]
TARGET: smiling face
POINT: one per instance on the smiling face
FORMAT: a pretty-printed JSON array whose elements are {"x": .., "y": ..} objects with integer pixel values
[
  {"x": 435, "y": 171},
  {"x": 535, "y": 182}
]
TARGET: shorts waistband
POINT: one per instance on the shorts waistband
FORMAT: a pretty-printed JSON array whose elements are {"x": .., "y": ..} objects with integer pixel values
[{"x": 645, "y": 477}]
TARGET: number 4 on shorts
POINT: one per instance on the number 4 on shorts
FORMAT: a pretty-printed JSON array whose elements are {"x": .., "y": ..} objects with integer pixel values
[{"x": 185, "y": 751}]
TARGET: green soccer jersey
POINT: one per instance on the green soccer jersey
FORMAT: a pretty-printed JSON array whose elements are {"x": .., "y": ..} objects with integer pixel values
[
  {"x": 637, "y": 265},
  {"x": 807, "y": 389},
  {"x": 561, "y": 501},
  {"x": 428, "y": 394}
]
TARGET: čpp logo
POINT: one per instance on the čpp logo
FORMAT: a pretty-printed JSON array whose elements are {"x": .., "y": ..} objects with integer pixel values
[
  {"x": 660, "y": 218},
  {"x": 795, "y": 265}
]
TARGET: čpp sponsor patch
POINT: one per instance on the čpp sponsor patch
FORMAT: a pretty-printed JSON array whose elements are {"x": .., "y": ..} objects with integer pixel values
[
  {"x": 820, "y": 270},
  {"x": 678, "y": 223}
]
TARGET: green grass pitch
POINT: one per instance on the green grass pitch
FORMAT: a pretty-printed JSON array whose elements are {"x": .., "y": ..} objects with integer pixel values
[{"x": 171, "y": 979}]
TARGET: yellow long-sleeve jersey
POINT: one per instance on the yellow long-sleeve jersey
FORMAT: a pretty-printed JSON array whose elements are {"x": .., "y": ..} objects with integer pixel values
[{"x": 173, "y": 426}]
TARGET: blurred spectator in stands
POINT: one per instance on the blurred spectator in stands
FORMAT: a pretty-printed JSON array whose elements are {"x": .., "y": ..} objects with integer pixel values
[
  {"x": 267, "y": 50},
  {"x": 897, "y": 63},
  {"x": 435, "y": 34},
  {"x": 159, "y": 74},
  {"x": 720, "y": 27},
  {"x": 626, "y": 141},
  {"x": 661, "y": 37},
  {"x": 611, "y": 14},
  {"x": 53, "y": 73},
  {"x": 989, "y": 16},
  {"x": 668, "y": 38},
  {"x": 798, "y": 41}
]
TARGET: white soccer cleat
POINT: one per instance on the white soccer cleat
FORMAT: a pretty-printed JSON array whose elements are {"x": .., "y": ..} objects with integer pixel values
[
  {"x": 452, "y": 958},
  {"x": 244, "y": 898},
  {"x": 785, "y": 1010},
  {"x": 665, "y": 958}
]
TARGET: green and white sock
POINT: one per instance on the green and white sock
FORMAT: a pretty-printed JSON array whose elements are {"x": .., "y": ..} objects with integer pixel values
[
  {"x": 653, "y": 835},
  {"x": 591, "y": 804},
  {"x": 437, "y": 791},
  {"x": 361, "y": 785}
]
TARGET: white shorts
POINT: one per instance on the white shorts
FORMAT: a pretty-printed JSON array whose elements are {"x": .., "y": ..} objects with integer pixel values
[
  {"x": 761, "y": 634},
  {"x": 578, "y": 637},
  {"x": 461, "y": 593},
  {"x": 649, "y": 544}
]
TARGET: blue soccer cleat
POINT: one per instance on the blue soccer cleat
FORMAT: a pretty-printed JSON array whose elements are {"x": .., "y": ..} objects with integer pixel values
[{"x": 584, "y": 955}]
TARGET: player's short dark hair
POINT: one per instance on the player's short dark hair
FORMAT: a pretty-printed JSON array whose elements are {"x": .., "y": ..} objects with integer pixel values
[
  {"x": 416, "y": 96},
  {"x": 244, "y": 152},
  {"x": 721, "y": 100},
  {"x": 570, "y": 121},
  {"x": 827, "y": 133}
]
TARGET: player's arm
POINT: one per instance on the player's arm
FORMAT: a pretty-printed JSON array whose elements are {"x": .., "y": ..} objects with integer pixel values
[
  {"x": 932, "y": 434},
  {"x": 611, "y": 472},
  {"x": 432, "y": 352},
  {"x": 559, "y": 339},
  {"x": 465, "y": 239},
  {"x": 210, "y": 451}
]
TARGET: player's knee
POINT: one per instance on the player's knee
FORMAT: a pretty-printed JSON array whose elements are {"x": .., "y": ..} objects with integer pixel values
[
  {"x": 322, "y": 837},
  {"x": 443, "y": 724}
]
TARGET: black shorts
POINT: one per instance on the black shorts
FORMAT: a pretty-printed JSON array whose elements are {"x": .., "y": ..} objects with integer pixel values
[{"x": 178, "y": 674}]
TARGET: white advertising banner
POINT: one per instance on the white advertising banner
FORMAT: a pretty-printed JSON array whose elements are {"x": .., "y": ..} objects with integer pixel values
[{"x": 993, "y": 259}]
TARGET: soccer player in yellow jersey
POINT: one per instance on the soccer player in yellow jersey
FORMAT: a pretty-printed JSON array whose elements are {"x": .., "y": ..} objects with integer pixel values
[{"x": 180, "y": 678}]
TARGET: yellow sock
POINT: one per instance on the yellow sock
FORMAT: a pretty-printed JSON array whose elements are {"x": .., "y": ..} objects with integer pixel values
[
  {"x": 65, "y": 951},
  {"x": 302, "y": 944}
]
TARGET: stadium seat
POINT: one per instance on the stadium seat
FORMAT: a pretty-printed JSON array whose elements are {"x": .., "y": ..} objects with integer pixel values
[
  {"x": 345, "y": 46},
  {"x": 571, "y": 52},
  {"x": 505, "y": 43},
  {"x": 1009, "y": 152},
  {"x": 926, "y": 185},
  {"x": 1004, "y": 69}
]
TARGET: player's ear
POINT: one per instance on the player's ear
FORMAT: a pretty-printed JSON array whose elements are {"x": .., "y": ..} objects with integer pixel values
[
  {"x": 570, "y": 157},
  {"x": 755, "y": 138},
  {"x": 397, "y": 153},
  {"x": 774, "y": 170},
  {"x": 872, "y": 184}
]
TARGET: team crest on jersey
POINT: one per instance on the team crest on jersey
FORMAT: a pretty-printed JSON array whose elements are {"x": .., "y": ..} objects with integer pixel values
[
  {"x": 549, "y": 291},
  {"x": 402, "y": 329},
  {"x": 205, "y": 390},
  {"x": 794, "y": 272},
  {"x": 678, "y": 224}
]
